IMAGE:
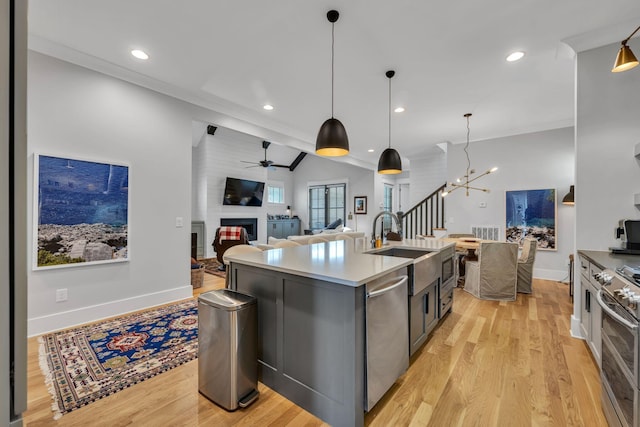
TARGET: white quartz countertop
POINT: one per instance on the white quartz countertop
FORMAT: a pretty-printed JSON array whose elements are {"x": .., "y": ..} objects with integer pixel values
[{"x": 341, "y": 261}]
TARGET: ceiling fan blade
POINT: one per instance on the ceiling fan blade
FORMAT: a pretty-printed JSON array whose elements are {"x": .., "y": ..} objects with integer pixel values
[
  {"x": 253, "y": 163},
  {"x": 279, "y": 166}
]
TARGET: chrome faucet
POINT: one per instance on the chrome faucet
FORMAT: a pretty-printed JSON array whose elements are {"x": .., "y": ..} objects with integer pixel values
[{"x": 395, "y": 219}]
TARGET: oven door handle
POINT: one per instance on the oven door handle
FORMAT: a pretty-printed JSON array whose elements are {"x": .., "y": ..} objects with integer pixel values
[{"x": 613, "y": 314}]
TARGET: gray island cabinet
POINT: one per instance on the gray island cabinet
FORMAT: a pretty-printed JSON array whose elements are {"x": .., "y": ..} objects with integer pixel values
[{"x": 332, "y": 325}]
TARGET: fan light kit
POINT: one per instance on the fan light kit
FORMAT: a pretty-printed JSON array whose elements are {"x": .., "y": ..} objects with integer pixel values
[{"x": 265, "y": 163}]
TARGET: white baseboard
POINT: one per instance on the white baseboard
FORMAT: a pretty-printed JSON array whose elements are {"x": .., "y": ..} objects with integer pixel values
[
  {"x": 71, "y": 318},
  {"x": 555, "y": 275},
  {"x": 576, "y": 330}
]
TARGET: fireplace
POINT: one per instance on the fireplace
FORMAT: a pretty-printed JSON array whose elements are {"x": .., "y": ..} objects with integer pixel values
[{"x": 249, "y": 224}]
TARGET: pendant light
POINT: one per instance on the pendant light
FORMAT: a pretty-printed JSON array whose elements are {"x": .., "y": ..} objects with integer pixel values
[
  {"x": 466, "y": 179},
  {"x": 625, "y": 60},
  {"x": 390, "y": 162},
  {"x": 332, "y": 140}
]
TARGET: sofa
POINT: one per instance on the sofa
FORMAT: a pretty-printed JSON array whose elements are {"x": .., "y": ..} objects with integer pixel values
[{"x": 327, "y": 234}]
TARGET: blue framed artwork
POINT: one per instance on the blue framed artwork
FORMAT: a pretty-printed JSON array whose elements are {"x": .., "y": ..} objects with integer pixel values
[
  {"x": 81, "y": 212},
  {"x": 531, "y": 213}
]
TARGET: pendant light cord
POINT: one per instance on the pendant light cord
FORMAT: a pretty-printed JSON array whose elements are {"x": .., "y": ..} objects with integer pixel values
[
  {"x": 389, "y": 112},
  {"x": 333, "y": 25},
  {"x": 466, "y": 147}
]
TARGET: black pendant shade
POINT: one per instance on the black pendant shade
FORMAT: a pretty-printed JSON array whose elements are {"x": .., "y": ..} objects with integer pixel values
[
  {"x": 332, "y": 140},
  {"x": 389, "y": 162}
]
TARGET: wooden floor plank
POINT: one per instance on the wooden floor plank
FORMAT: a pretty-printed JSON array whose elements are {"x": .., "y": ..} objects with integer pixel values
[{"x": 488, "y": 364}]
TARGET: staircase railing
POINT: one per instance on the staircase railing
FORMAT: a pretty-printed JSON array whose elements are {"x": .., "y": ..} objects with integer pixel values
[{"x": 425, "y": 216}]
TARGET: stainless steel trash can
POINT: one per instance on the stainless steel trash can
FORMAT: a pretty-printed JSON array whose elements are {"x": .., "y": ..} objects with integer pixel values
[{"x": 228, "y": 348}]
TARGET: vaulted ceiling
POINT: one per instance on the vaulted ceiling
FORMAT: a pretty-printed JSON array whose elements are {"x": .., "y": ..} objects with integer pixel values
[{"x": 234, "y": 56}]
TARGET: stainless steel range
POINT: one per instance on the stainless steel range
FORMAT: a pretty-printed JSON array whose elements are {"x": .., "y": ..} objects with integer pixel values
[{"x": 619, "y": 298}]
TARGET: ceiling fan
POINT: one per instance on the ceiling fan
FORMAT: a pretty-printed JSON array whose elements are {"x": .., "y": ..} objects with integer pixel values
[{"x": 270, "y": 164}]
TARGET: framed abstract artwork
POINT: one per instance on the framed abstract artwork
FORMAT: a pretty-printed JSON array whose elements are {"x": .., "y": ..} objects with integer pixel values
[
  {"x": 81, "y": 212},
  {"x": 360, "y": 205},
  {"x": 531, "y": 213}
]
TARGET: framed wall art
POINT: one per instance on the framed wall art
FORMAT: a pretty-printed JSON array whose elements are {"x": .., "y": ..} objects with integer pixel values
[
  {"x": 531, "y": 213},
  {"x": 81, "y": 212},
  {"x": 360, "y": 205}
]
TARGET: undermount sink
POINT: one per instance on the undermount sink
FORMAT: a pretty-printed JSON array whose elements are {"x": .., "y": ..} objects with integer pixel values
[{"x": 402, "y": 252}]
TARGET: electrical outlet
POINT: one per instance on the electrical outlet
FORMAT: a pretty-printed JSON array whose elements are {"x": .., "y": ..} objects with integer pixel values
[
  {"x": 61, "y": 295},
  {"x": 483, "y": 204},
  {"x": 179, "y": 222}
]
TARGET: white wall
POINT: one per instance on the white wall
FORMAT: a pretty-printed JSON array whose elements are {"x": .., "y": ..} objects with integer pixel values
[
  {"x": 76, "y": 112},
  {"x": 315, "y": 169},
  {"x": 526, "y": 162},
  {"x": 607, "y": 173},
  {"x": 428, "y": 172},
  {"x": 220, "y": 156},
  {"x": 607, "y": 130}
]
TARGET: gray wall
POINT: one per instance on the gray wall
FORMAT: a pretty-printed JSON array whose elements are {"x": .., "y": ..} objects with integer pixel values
[{"x": 526, "y": 162}]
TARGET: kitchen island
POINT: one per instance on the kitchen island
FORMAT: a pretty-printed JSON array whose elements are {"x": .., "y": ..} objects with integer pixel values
[{"x": 332, "y": 323}]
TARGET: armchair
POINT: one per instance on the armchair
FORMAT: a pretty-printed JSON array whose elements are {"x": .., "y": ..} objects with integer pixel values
[
  {"x": 494, "y": 275},
  {"x": 525, "y": 265},
  {"x": 227, "y": 237}
]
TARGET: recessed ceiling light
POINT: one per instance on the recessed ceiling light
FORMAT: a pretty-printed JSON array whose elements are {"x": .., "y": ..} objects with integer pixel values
[
  {"x": 515, "y": 56},
  {"x": 268, "y": 107},
  {"x": 399, "y": 110},
  {"x": 140, "y": 54},
  {"x": 371, "y": 150}
]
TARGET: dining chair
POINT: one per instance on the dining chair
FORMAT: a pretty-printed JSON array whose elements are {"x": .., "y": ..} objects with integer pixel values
[
  {"x": 494, "y": 275},
  {"x": 525, "y": 265}
]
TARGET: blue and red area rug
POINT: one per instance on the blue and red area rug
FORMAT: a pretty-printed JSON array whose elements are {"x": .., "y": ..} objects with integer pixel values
[{"x": 85, "y": 364}]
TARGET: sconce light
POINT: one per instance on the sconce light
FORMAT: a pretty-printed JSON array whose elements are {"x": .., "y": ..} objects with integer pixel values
[
  {"x": 568, "y": 199},
  {"x": 625, "y": 60}
]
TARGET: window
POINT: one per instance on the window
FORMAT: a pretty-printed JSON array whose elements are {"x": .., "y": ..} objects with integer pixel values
[
  {"x": 326, "y": 204},
  {"x": 275, "y": 193}
]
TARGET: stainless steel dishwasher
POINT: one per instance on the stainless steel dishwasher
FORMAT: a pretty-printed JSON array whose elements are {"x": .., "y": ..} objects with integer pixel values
[{"x": 387, "y": 334}]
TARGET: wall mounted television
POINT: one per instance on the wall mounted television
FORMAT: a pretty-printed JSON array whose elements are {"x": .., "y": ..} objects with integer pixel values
[{"x": 243, "y": 192}]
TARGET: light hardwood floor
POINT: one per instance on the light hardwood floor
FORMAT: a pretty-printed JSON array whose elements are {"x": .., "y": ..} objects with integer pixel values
[{"x": 488, "y": 364}]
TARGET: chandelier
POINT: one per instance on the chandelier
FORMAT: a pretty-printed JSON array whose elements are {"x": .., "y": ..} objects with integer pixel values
[{"x": 465, "y": 180}]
